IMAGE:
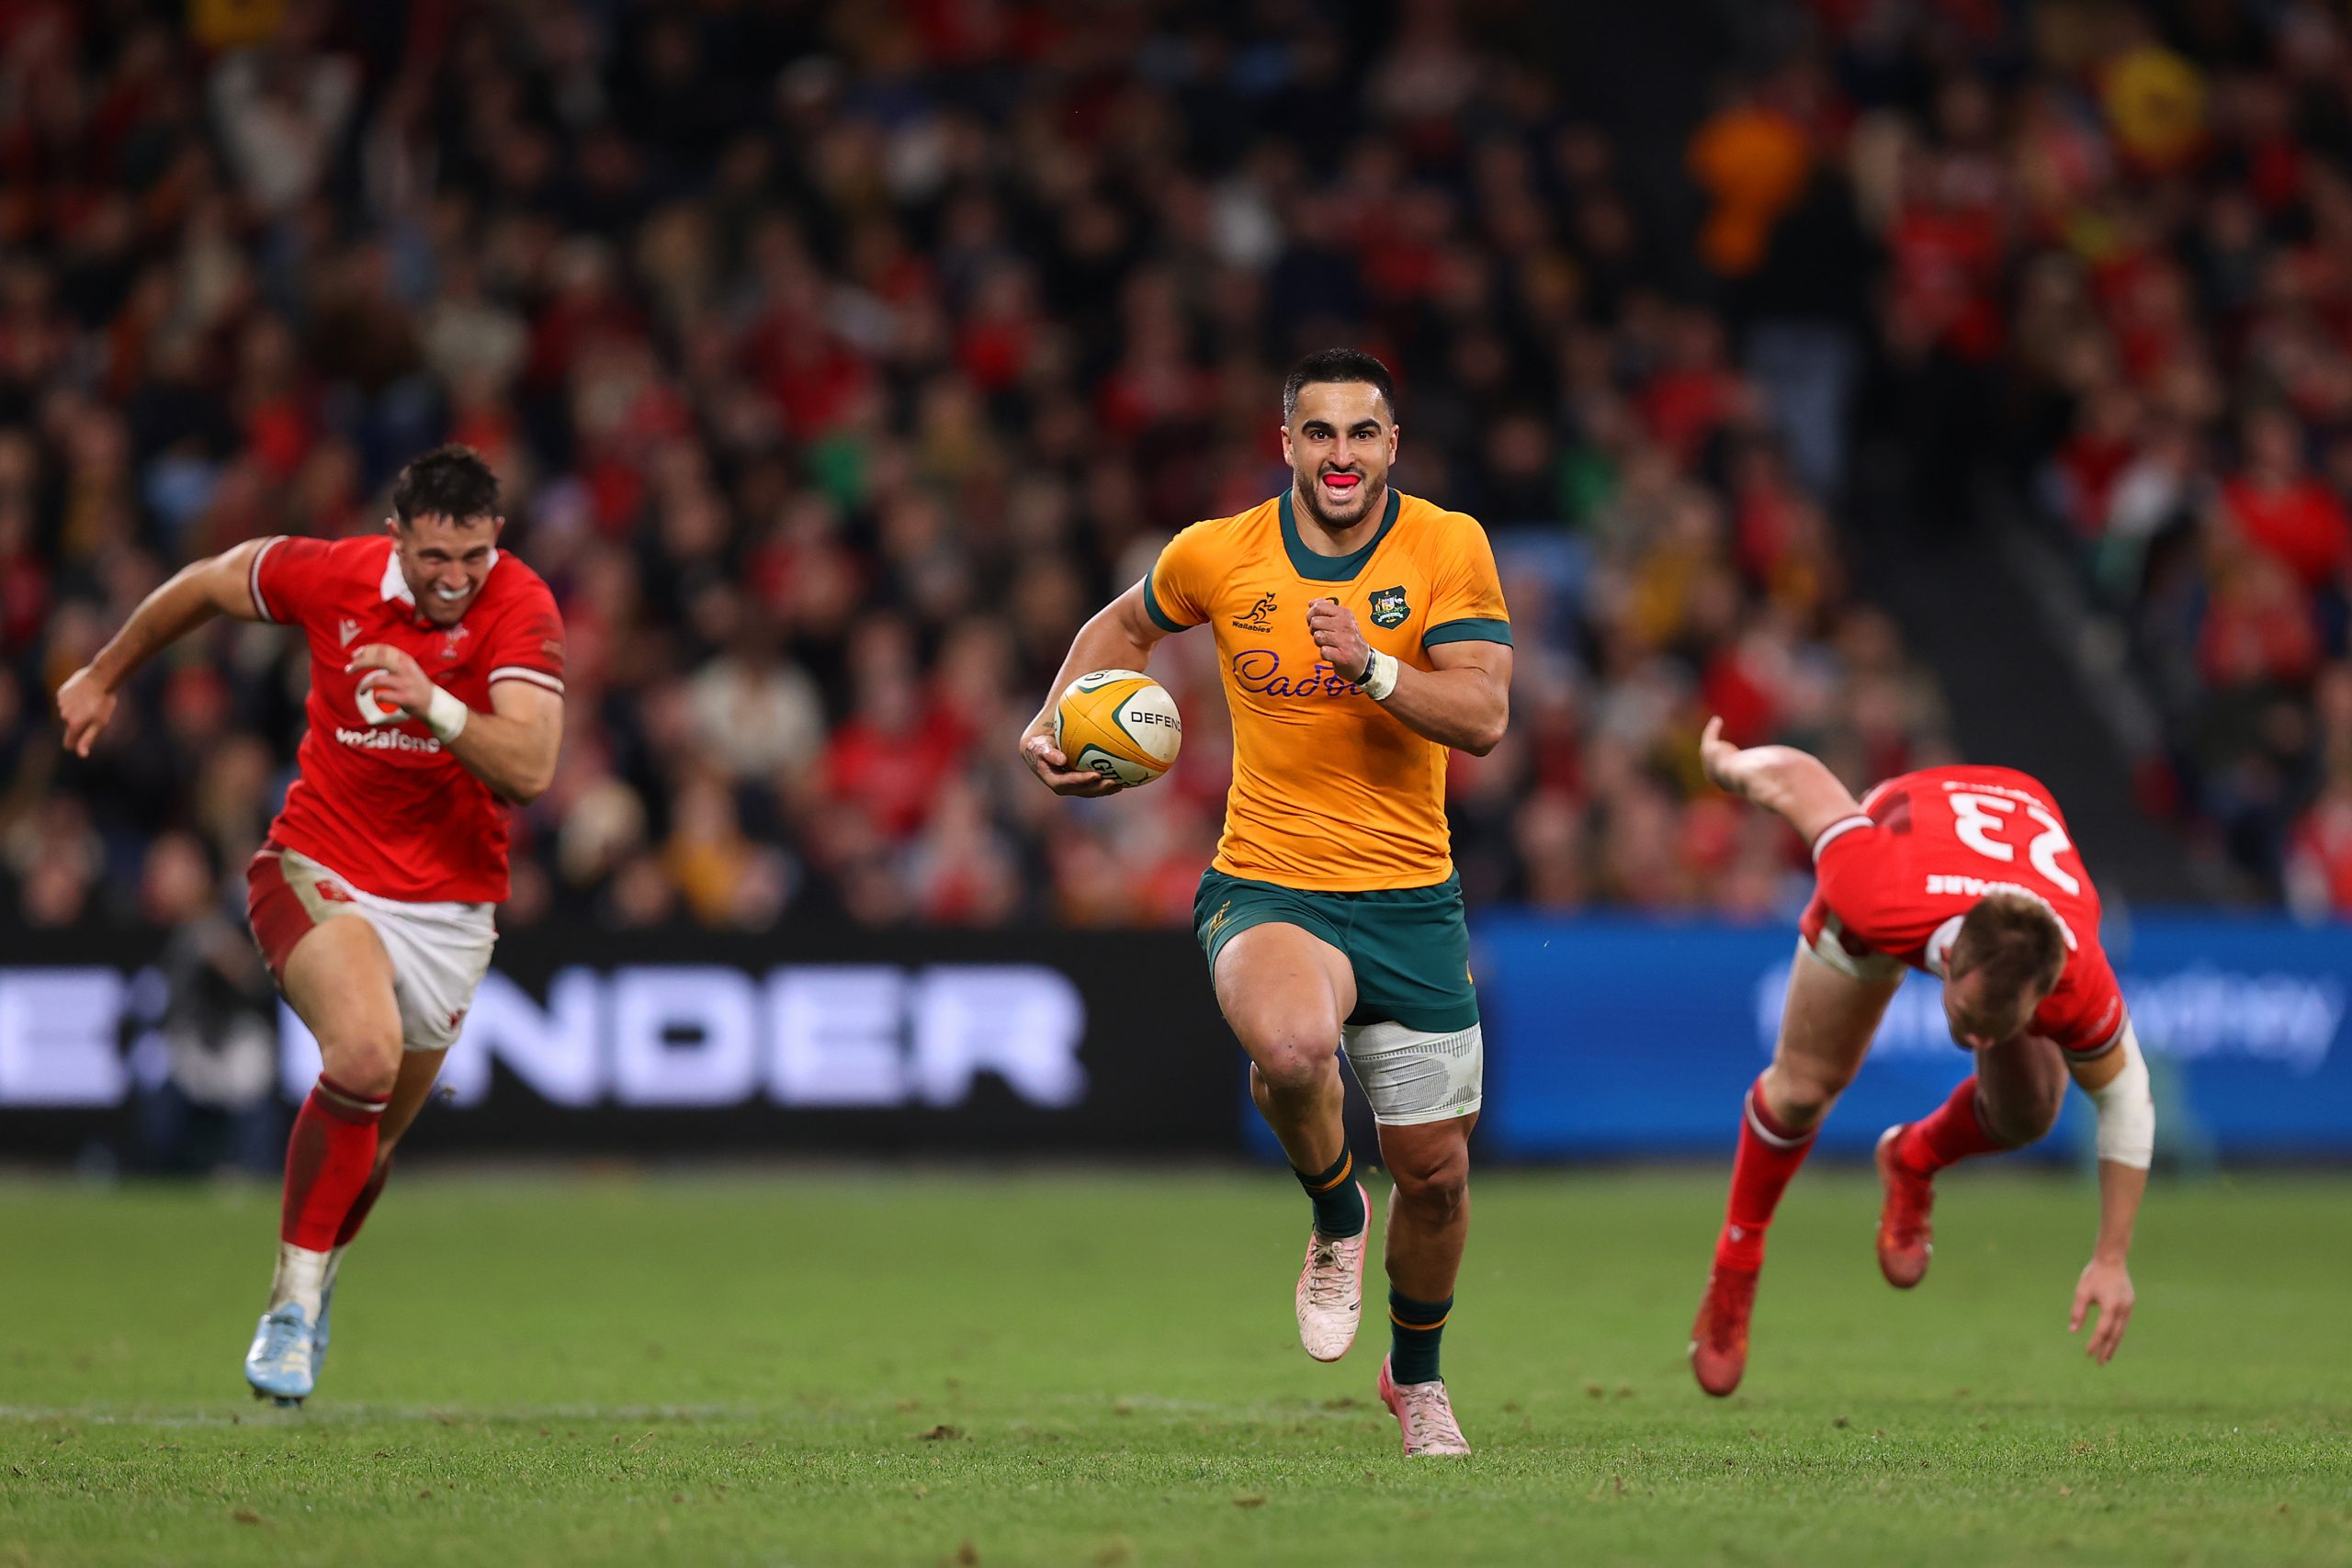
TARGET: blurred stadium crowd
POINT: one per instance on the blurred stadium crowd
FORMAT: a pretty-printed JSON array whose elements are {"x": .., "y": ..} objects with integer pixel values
[
  {"x": 839, "y": 358},
  {"x": 2118, "y": 255}
]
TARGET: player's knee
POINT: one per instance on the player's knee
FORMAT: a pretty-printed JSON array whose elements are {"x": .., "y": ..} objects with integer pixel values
[
  {"x": 366, "y": 1062},
  {"x": 1292, "y": 1061},
  {"x": 1434, "y": 1183},
  {"x": 2022, "y": 1117},
  {"x": 1800, "y": 1094}
]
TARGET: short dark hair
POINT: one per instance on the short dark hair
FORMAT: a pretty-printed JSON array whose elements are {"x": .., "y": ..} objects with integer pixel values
[
  {"x": 1339, "y": 365},
  {"x": 2015, "y": 939},
  {"x": 448, "y": 482}
]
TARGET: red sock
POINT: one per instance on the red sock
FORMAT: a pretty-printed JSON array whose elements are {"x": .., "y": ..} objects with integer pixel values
[
  {"x": 1769, "y": 1156},
  {"x": 361, "y": 1204},
  {"x": 1947, "y": 1135},
  {"x": 328, "y": 1160}
]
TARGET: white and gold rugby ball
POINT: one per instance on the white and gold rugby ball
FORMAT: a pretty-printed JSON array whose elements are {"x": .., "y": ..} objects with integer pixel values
[{"x": 1121, "y": 723}]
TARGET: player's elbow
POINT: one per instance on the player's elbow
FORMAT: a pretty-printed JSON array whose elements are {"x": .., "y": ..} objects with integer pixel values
[
  {"x": 528, "y": 784},
  {"x": 1487, "y": 734}
]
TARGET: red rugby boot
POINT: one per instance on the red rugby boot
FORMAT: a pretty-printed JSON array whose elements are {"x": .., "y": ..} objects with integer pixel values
[
  {"x": 1719, "y": 1338},
  {"x": 1905, "y": 1238}
]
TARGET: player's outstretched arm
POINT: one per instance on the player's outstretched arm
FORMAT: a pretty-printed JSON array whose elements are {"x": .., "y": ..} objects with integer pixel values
[
  {"x": 1120, "y": 636},
  {"x": 1778, "y": 778},
  {"x": 512, "y": 748},
  {"x": 217, "y": 585},
  {"x": 2117, "y": 1083}
]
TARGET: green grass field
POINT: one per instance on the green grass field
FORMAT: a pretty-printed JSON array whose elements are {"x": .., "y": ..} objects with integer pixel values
[{"x": 1059, "y": 1369}]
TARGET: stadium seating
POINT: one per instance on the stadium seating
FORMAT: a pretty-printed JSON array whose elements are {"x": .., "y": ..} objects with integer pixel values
[
  {"x": 837, "y": 366},
  {"x": 2118, "y": 236}
]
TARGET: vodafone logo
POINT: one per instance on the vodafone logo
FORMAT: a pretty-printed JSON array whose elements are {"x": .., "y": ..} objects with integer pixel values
[{"x": 387, "y": 741}]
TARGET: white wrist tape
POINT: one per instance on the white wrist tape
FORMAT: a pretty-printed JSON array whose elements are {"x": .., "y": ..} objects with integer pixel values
[
  {"x": 2127, "y": 1112},
  {"x": 445, "y": 716},
  {"x": 1380, "y": 676}
]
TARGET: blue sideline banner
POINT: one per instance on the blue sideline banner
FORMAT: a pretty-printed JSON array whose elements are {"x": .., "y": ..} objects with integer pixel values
[
  {"x": 1607, "y": 1039},
  {"x": 1617, "y": 1038}
]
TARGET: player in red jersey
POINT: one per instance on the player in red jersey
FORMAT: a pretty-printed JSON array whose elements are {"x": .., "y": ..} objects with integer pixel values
[
  {"x": 436, "y": 701},
  {"x": 1970, "y": 875}
]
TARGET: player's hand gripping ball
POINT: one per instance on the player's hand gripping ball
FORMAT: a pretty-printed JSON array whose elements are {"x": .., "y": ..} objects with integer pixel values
[{"x": 1119, "y": 723}]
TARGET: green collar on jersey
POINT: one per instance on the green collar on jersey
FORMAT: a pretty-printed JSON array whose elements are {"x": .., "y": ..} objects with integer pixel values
[{"x": 1332, "y": 568}]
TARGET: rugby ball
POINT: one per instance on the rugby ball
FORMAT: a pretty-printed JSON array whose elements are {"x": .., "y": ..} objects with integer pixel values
[{"x": 1121, "y": 723}]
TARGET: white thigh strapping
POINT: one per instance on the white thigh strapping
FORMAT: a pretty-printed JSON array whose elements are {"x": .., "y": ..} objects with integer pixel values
[
  {"x": 1412, "y": 1076},
  {"x": 439, "y": 951}
]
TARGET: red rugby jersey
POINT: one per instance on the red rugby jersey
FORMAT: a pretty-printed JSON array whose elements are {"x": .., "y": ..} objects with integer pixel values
[
  {"x": 1931, "y": 844},
  {"x": 386, "y": 805}
]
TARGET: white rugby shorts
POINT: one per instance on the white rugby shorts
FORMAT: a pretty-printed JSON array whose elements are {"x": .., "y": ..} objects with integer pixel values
[{"x": 439, "y": 951}]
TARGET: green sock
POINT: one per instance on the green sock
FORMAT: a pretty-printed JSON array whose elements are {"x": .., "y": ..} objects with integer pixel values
[
  {"x": 1414, "y": 1329},
  {"x": 1340, "y": 1210}
]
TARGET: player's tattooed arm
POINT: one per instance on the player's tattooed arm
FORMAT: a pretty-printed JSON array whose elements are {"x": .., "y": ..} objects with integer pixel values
[
  {"x": 1120, "y": 636},
  {"x": 217, "y": 585},
  {"x": 1781, "y": 779}
]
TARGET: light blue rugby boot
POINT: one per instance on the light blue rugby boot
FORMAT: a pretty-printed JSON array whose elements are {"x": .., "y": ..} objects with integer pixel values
[{"x": 283, "y": 1361}]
